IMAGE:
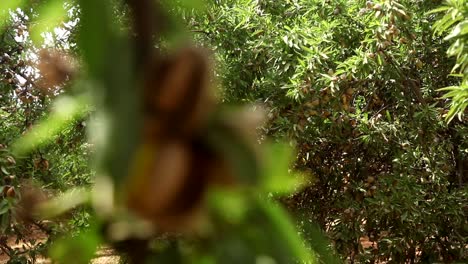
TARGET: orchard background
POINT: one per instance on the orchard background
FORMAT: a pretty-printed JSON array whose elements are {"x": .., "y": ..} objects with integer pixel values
[{"x": 371, "y": 94}]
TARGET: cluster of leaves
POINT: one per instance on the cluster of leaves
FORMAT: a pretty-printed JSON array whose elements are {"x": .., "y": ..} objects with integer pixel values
[
  {"x": 456, "y": 20},
  {"x": 354, "y": 84}
]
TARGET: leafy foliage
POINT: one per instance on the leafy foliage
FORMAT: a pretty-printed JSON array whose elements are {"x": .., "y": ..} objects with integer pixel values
[
  {"x": 354, "y": 85},
  {"x": 455, "y": 21}
]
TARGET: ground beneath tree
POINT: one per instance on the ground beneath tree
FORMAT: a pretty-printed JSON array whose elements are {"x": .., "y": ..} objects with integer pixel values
[{"x": 105, "y": 255}]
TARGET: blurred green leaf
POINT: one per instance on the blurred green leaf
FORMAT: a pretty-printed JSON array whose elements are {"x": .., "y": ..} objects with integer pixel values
[
  {"x": 95, "y": 35},
  {"x": 64, "y": 202},
  {"x": 281, "y": 227},
  {"x": 232, "y": 205},
  {"x": 277, "y": 177},
  {"x": 76, "y": 250},
  {"x": 108, "y": 60},
  {"x": 65, "y": 110}
]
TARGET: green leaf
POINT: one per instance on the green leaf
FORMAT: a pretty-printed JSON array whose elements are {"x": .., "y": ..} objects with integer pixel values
[
  {"x": 4, "y": 206},
  {"x": 438, "y": 10},
  {"x": 459, "y": 30},
  {"x": 4, "y": 170}
]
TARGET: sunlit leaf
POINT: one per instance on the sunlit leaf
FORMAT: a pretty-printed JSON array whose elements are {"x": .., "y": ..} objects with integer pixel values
[
  {"x": 459, "y": 30},
  {"x": 64, "y": 202}
]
